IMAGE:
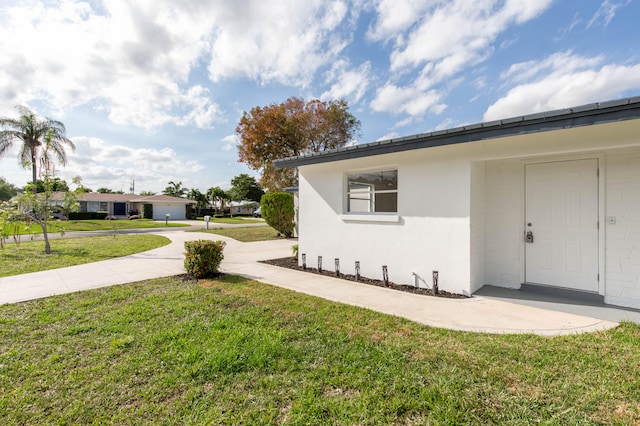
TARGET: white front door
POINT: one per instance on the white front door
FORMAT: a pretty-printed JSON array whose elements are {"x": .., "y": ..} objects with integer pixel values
[{"x": 561, "y": 213}]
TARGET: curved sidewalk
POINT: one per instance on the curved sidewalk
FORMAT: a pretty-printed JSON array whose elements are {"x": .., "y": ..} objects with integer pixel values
[{"x": 477, "y": 314}]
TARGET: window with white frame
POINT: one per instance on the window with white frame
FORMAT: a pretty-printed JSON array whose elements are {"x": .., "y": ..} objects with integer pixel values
[{"x": 372, "y": 192}]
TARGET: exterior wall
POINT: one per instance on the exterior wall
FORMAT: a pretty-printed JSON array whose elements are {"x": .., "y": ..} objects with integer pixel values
[
  {"x": 503, "y": 223},
  {"x": 504, "y": 215},
  {"x": 623, "y": 227},
  {"x": 431, "y": 231},
  {"x": 93, "y": 206},
  {"x": 461, "y": 211},
  {"x": 478, "y": 226}
]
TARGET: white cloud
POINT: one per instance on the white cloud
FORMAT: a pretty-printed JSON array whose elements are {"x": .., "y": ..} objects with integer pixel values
[
  {"x": 282, "y": 41},
  {"x": 407, "y": 100},
  {"x": 113, "y": 166},
  {"x": 132, "y": 60},
  {"x": 387, "y": 136},
  {"x": 135, "y": 60},
  {"x": 564, "y": 62},
  {"x": 348, "y": 83},
  {"x": 419, "y": 27},
  {"x": 230, "y": 142},
  {"x": 446, "y": 124},
  {"x": 566, "y": 85},
  {"x": 606, "y": 12},
  {"x": 442, "y": 38}
]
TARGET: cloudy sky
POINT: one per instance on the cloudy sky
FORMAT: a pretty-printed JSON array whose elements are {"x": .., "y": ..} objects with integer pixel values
[{"x": 152, "y": 90}]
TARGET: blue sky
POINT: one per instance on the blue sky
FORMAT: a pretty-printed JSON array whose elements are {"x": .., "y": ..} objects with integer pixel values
[{"x": 152, "y": 90}]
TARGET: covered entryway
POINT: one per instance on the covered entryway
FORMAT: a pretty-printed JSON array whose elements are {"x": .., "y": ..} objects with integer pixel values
[{"x": 561, "y": 224}]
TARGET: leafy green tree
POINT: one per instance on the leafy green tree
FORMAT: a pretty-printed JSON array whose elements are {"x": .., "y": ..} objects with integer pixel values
[
  {"x": 7, "y": 190},
  {"x": 30, "y": 131},
  {"x": 175, "y": 189},
  {"x": 10, "y": 223},
  {"x": 199, "y": 198},
  {"x": 57, "y": 185},
  {"x": 147, "y": 193},
  {"x": 219, "y": 196},
  {"x": 103, "y": 190},
  {"x": 70, "y": 202},
  {"x": 278, "y": 211},
  {"x": 294, "y": 127},
  {"x": 245, "y": 187},
  {"x": 80, "y": 188}
]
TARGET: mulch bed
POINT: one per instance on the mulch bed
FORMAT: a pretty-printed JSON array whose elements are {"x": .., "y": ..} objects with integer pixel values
[{"x": 292, "y": 263}]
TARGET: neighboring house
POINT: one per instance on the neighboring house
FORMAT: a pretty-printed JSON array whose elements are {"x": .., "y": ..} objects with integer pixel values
[
  {"x": 550, "y": 199},
  {"x": 122, "y": 206},
  {"x": 242, "y": 208},
  {"x": 238, "y": 208}
]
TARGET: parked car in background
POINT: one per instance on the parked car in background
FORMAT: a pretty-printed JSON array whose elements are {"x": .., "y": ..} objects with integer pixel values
[
  {"x": 258, "y": 212},
  {"x": 59, "y": 215}
]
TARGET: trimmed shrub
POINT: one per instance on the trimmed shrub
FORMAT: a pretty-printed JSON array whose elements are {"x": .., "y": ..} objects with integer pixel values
[
  {"x": 87, "y": 215},
  {"x": 203, "y": 257},
  {"x": 279, "y": 212},
  {"x": 190, "y": 212},
  {"x": 147, "y": 211}
]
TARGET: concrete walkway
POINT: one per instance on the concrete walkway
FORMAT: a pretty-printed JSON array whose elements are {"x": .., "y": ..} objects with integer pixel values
[{"x": 479, "y": 314}]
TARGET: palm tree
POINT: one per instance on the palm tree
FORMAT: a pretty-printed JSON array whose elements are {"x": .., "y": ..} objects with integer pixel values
[
  {"x": 31, "y": 130},
  {"x": 175, "y": 189},
  {"x": 220, "y": 195},
  {"x": 199, "y": 198}
]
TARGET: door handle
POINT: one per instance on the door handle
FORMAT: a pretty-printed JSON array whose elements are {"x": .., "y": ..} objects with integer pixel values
[{"x": 528, "y": 237}]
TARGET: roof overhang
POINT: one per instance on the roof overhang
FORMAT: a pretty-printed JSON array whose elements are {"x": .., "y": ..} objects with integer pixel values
[{"x": 585, "y": 115}]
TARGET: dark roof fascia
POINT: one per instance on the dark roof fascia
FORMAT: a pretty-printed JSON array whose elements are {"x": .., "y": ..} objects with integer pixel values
[{"x": 585, "y": 115}]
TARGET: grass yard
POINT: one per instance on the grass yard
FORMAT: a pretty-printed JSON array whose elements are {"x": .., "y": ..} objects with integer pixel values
[
  {"x": 94, "y": 225},
  {"x": 30, "y": 257},
  {"x": 233, "y": 351},
  {"x": 235, "y": 220},
  {"x": 245, "y": 234}
]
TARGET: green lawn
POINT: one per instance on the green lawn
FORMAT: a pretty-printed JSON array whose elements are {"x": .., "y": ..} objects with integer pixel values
[
  {"x": 233, "y": 220},
  {"x": 30, "y": 257},
  {"x": 233, "y": 351},
  {"x": 55, "y": 226},
  {"x": 245, "y": 234}
]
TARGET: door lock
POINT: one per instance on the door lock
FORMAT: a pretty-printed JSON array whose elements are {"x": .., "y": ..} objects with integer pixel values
[{"x": 528, "y": 237}]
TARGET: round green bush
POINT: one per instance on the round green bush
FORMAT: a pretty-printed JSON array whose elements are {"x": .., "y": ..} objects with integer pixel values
[{"x": 203, "y": 257}]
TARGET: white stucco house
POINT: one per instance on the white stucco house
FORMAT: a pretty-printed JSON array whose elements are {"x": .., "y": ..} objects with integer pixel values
[
  {"x": 121, "y": 205},
  {"x": 549, "y": 199}
]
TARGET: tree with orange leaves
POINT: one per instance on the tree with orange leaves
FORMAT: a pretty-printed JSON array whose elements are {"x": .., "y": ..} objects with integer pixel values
[{"x": 294, "y": 127}]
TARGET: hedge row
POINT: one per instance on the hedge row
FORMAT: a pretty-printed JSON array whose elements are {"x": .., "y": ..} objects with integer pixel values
[{"x": 87, "y": 215}]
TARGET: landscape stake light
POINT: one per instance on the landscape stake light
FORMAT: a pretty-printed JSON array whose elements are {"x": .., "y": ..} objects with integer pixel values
[
  {"x": 357, "y": 270},
  {"x": 319, "y": 263},
  {"x": 385, "y": 275},
  {"x": 337, "y": 260},
  {"x": 435, "y": 283},
  {"x": 304, "y": 261}
]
